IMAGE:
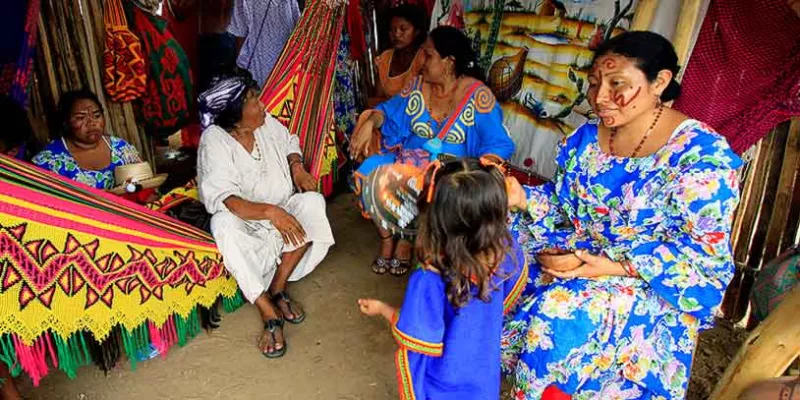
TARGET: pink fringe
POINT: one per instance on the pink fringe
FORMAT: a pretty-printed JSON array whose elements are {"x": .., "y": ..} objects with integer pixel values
[
  {"x": 155, "y": 338},
  {"x": 32, "y": 359}
]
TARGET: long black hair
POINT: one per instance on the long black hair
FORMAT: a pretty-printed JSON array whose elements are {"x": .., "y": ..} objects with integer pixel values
[
  {"x": 416, "y": 16},
  {"x": 67, "y": 101},
  {"x": 652, "y": 52},
  {"x": 462, "y": 230},
  {"x": 451, "y": 42}
]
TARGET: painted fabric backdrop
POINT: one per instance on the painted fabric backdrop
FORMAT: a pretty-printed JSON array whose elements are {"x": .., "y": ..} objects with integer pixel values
[
  {"x": 537, "y": 54},
  {"x": 74, "y": 259}
]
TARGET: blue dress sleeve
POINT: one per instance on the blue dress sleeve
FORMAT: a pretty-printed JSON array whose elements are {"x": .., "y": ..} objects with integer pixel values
[
  {"x": 418, "y": 329},
  {"x": 493, "y": 137},
  {"x": 396, "y": 121},
  {"x": 690, "y": 263},
  {"x": 544, "y": 217}
]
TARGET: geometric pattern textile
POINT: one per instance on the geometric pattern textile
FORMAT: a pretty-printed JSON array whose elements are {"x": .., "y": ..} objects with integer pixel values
[
  {"x": 299, "y": 91},
  {"x": 75, "y": 259}
]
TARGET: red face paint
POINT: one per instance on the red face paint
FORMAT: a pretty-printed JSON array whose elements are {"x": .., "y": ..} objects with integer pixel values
[{"x": 619, "y": 98}]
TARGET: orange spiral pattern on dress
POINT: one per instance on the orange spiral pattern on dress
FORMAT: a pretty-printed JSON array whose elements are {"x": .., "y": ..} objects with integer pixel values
[{"x": 484, "y": 100}]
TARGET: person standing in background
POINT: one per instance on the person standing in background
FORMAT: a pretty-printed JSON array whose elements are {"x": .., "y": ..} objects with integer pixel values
[{"x": 262, "y": 28}]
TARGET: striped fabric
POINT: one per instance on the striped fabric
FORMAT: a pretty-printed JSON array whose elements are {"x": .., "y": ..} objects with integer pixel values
[
  {"x": 76, "y": 259},
  {"x": 299, "y": 92}
]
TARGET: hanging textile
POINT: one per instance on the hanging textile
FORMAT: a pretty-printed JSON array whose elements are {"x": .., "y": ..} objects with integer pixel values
[
  {"x": 345, "y": 91},
  {"x": 299, "y": 92},
  {"x": 74, "y": 259},
  {"x": 166, "y": 103},
  {"x": 537, "y": 55},
  {"x": 743, "y": 76},
  {"x": 18, "y": 29},
  {"x": 124, "y": 76}
]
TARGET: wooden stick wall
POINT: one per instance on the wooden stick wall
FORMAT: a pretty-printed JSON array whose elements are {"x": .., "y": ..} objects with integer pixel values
[
  {"x": 69, "y": 57},
  {"x": 766, "y": 222}
]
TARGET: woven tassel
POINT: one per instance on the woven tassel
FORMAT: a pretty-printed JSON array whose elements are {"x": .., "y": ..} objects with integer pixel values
[
  {"x": 232, "y": 304},
  {"x": 30, "y": 361},
  {"x": 130, "y": 347},
  {"x": 9, "y": 356},
  {"x": 53, "y": 354},
  {"x": 156, "y": 338},
  {"x": 105, "y": 354}
]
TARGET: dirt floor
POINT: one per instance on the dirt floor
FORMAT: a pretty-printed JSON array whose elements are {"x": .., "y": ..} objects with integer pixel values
[{"x": 336, "y": 354}]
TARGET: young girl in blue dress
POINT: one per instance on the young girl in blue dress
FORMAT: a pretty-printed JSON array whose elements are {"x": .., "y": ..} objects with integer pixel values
[{"x": 448, "y": 329}]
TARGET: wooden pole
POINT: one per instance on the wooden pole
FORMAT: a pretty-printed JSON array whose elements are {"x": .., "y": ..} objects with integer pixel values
[
  {"x": 766, "y": 353},
  {"x": 645, "y": 12},
  {"x": 688, "y": 20}
]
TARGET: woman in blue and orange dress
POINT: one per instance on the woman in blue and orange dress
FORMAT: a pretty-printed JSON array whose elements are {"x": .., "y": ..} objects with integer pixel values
[{"x": 446, "y": 111}]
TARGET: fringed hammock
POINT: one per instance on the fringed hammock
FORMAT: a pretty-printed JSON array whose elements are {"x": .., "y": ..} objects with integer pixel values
[
  {"x": 86, "y": 276},
  {"x": 299, "y": 91}
]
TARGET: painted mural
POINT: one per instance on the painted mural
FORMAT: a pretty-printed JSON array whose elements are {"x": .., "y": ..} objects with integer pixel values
[{"x": 537, "y": 55}]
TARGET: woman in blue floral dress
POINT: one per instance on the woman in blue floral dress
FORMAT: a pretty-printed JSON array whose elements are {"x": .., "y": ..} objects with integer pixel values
[
  {"x": 84, "y": 152},
  {"x": 643, "y": 199}
]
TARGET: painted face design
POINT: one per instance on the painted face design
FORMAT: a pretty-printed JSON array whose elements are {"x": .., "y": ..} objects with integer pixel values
[{"x": 618, "y": 90}]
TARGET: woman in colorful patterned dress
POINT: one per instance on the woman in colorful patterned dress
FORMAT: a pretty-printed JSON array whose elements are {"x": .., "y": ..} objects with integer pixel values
[
  {"x": 397, "y": 66},
  {"x": 642, "y": 204},
  {"x": 84, "y": 152},
  {"x": 446, "y": 111}
]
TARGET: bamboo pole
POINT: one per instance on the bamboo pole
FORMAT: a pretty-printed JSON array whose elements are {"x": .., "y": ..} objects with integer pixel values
[
  {"x": 645, "y": 12},
  {"x": 749, "y": 175},
  {"x": 783, "y": 197},
  {"x": 688, "y": 21},
  {"x": 766, "y": 353}
]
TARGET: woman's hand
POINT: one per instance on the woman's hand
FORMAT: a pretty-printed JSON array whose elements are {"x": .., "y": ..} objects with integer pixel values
[
  {"x": 593, "y": 266},
  {"x": 304, "y": 181},
  {"x": 373, "y": 308},
  {"x": 287, "y": 225},
  {"x": 359, "y": 143},
  {"x": 517, "y": 200}
]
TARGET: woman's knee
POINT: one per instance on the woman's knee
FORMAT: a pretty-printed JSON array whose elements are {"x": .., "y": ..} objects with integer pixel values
[{"x": 225, "y": 221}]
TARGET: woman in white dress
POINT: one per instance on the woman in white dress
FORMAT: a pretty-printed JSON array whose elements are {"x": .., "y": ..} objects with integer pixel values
[{"x": 249, "y": 166}]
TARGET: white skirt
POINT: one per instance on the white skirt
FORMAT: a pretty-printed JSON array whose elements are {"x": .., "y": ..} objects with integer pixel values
[{"x": 252, "y": 250}]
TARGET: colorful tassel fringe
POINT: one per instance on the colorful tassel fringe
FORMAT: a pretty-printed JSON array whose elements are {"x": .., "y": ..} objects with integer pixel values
[{"x": 73, "y": 352}]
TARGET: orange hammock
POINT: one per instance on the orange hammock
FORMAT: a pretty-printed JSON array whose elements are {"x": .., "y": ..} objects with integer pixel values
[
  {"x": 78, "y": 264},
  {"x": 299, "y": 92}
]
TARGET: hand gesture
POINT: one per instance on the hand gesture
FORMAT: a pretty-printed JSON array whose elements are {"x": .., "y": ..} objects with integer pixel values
[
  {"x": 371, "y": 307},
  {"x": 291, "y": 230},
  {"x": 593, "y": 266},
  {"x": 360, "y": 141},
  {"x": 304, "y": 181},
  {"x": 516, "y": 194}
]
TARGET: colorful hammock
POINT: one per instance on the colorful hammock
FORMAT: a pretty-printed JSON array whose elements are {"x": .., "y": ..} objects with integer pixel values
[
  {"x": 82, "y": 271},
  {"x": 299, "y": 91}
]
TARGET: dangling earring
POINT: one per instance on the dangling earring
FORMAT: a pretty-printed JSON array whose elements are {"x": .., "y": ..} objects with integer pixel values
[{"x": 658, "y": 101}]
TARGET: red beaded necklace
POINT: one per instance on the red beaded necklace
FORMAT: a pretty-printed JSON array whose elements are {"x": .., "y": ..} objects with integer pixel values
[{"x": 644, "y": 138}]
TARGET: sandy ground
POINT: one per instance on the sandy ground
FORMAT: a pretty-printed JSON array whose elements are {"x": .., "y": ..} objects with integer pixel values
[{"x": 336, "y": 354}]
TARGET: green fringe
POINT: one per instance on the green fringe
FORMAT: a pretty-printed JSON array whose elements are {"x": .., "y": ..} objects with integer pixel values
[
  {"x": 135, "y": 342},
  {"x": 9, "y": 356},
  {"x": 232, "y": 304},
  {"x": 72, "y": 353},
  {"x": 188, "y": 327}
]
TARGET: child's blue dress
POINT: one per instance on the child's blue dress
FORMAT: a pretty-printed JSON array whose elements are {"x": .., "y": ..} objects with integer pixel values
[{"x": 454, "y": 354}]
